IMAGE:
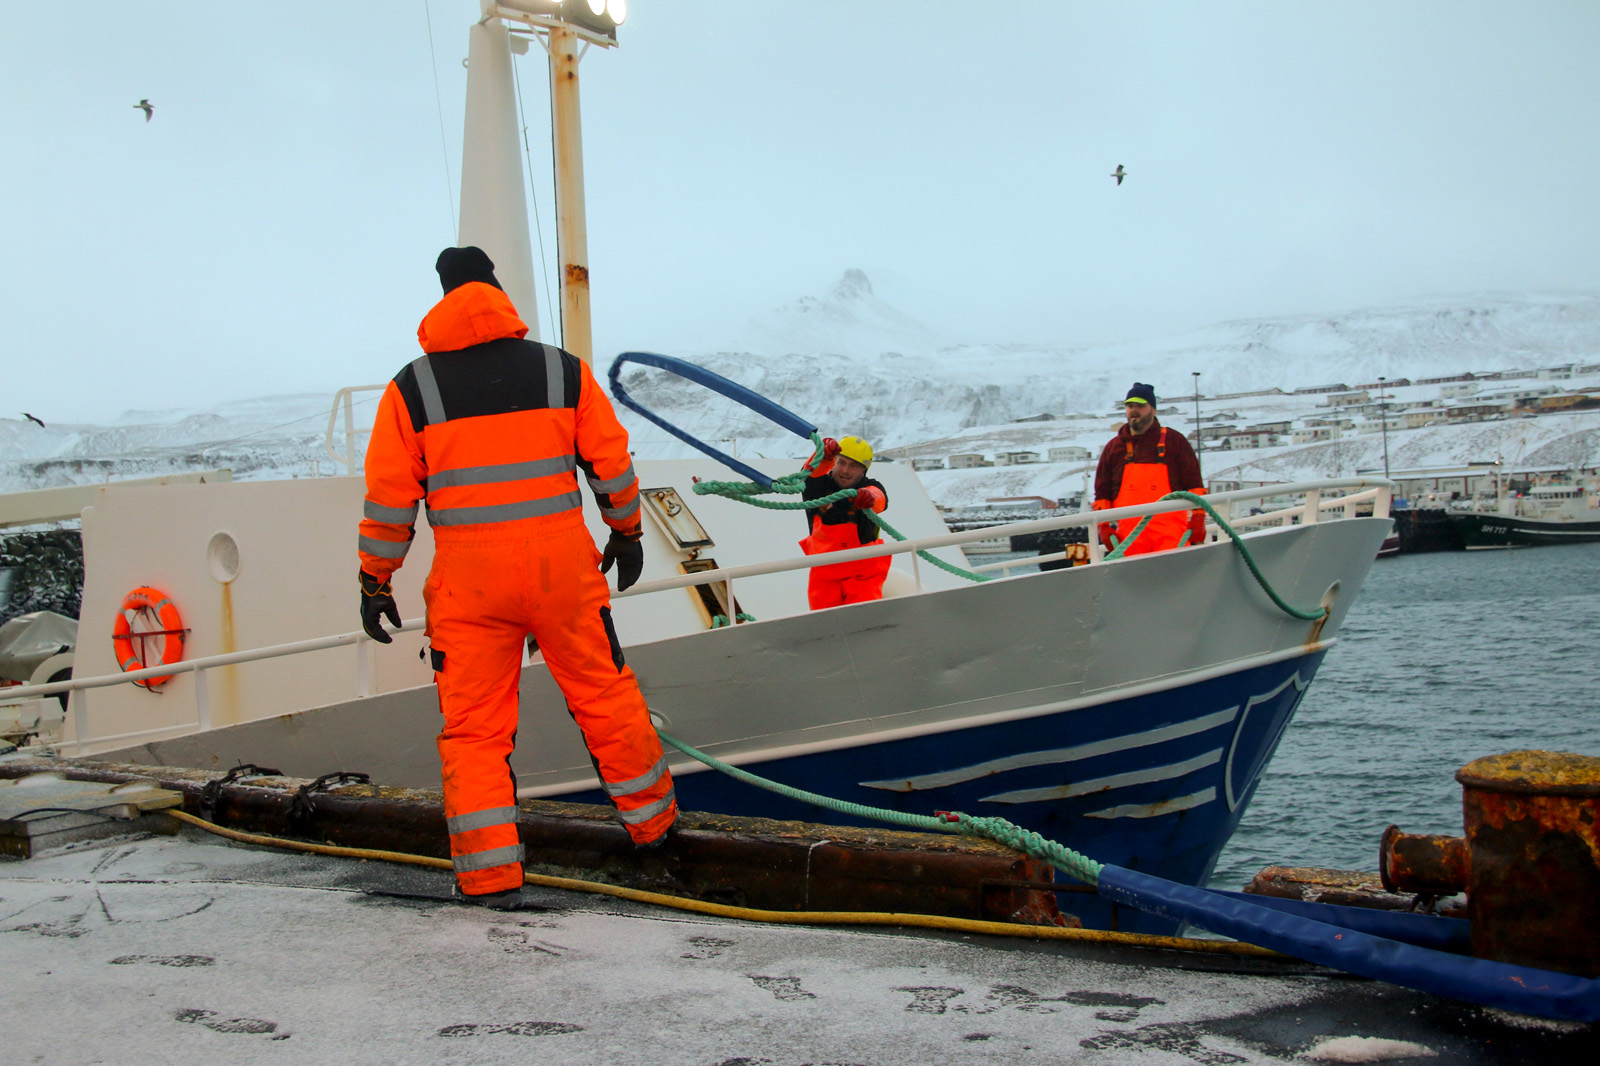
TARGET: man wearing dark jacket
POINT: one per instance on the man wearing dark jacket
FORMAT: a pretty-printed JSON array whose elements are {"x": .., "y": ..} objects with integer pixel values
[
  {"x": 844, "y": 524},
  {"x": 1142, "y": 463}
]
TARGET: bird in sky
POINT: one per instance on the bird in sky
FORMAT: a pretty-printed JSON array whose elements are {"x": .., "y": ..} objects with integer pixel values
[
  {"x": 149, "y": 110},
  {"x": 31, "y": 418},
  {"x": 1119, "y": 173}
]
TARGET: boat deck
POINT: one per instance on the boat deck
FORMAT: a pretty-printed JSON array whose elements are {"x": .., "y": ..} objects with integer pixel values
[{"x": 189, "y": 949}]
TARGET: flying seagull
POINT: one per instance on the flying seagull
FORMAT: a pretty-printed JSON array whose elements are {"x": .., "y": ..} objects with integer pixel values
[
  {"x": 149, "y": 110},
  {"x": 31, "y": 418},
  {"x": 1119, "y": 174}
]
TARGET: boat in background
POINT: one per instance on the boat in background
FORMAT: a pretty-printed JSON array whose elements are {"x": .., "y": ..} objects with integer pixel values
[
  {"x": 1425, "y": 529},
  {"x": 1558, "y": 511}
]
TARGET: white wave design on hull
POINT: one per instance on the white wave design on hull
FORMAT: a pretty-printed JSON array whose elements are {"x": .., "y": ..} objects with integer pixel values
[
  {"x": 1112, "y": 781},
  {"x": 1155, "y": 810},
  {"x": 1237, "y": 715},
  {"x": 1057, "y": 755}
]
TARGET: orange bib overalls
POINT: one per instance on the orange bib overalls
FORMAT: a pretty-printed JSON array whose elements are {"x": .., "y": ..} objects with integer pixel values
[
  {"x": 1145, "y": 483},
  {"x": 841, "y": 583}
]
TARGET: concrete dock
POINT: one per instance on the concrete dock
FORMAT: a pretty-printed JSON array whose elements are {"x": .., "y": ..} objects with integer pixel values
[{"x": 188, "y": 949}]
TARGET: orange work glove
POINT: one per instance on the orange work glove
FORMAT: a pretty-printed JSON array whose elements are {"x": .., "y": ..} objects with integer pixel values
[
  {"x": 1197, "y": 527},
  {"x": 869, "y": 499},
  {"x": 1106, "y": 528}
]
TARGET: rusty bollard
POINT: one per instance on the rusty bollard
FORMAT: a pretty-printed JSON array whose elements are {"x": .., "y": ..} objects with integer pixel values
[
  {"x": 1421, "y": 863},
  {"x": 1533, "y": 830}
]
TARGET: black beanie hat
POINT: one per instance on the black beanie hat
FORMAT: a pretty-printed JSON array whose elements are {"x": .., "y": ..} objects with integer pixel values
[
  {"x": 457, "y": 266},
  {"x": 1141, "y": 391}
]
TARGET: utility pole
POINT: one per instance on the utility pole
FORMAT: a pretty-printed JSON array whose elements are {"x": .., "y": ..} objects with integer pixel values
[
  {"x": 1383, "y": 415},
  {"x": 1199, "y": 444}
]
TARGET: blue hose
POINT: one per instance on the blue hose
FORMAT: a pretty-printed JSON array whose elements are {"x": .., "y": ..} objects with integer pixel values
[
  {"x": 1423, "y": 930},
  {"x": 1491, "y": 984},
  {"x": 717, "y": 383}
]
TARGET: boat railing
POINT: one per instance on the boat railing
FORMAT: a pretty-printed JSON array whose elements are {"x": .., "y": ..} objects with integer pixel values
[
  {"x": 344, "y": 401},
  {"x": 1361, "y": 495},
  {"x": 1314, "y": 504}
]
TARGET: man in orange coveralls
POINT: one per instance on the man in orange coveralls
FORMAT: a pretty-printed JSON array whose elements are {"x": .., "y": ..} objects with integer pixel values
[
  {"x": 844, "y": 524},
  {"x": 1141, "y": 464},
  {"x": 489, "y": 429}
]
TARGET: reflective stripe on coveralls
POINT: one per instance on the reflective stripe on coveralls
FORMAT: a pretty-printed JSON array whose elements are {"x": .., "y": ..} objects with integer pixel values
[
  {"x": 641, "y": 786},
  {"x": 485, "y": 592},
  {"x": 491, "y": 428}
]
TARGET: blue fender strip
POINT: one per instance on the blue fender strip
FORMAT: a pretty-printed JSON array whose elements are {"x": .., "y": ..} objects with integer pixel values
[
  {"x": 717, "y": 383},
  {"x": 1491, "y": 984},
  {"x": 1423, "y": 930}
]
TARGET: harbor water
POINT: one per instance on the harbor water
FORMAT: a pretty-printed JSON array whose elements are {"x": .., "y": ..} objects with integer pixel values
[{"x": 1444, "y": 657}]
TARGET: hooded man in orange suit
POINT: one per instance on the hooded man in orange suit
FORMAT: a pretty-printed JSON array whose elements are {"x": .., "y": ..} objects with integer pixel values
[{"x": 488, "y": 431}]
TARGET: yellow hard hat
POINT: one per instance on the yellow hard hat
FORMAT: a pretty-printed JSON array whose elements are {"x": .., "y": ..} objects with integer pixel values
[{"x": 857, "y": 449}]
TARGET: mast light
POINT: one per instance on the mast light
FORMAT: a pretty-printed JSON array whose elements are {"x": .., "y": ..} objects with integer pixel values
[{"x": 595, "y": 21}]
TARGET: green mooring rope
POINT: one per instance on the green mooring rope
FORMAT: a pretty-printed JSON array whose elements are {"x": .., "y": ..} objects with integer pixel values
[
  {"x": 793, "y": 484},
  {"x": 1238, "y": 542},
  {"x": 1010, "y": 834},
  {"x": 1000, "y": 830}
]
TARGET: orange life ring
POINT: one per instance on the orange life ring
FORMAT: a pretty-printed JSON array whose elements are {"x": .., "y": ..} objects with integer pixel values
[{"x": 123, "y": 634}]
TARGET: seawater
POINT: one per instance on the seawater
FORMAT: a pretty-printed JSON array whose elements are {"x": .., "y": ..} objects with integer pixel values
[{"x": 1444, "y": 657}]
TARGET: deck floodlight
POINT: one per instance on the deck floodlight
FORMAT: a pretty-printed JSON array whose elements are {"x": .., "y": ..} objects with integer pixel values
[{"x": 595, "y": 21}]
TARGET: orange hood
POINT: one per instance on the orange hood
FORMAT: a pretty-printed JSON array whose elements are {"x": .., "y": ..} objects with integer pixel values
[{"x": 469, "y": 314}]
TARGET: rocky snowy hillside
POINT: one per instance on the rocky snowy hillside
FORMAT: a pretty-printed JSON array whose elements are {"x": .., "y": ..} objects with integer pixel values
[{"x": 852, "y": 363}]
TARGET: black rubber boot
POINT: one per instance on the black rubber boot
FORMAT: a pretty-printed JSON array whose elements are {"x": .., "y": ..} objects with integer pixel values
[
  {"x": 660, "y": 843},
  {"x": 509, "y": 900}
]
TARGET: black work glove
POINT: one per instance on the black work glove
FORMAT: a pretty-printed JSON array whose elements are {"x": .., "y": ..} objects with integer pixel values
[
  {"x": 377, "y": 602},
  {"x": 625, "y": 550}
]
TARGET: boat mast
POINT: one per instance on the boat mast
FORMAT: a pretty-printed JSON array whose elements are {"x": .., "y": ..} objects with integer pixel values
[
  {"x": 494, "y": 210},
  {"x": 494, "y": 205}
]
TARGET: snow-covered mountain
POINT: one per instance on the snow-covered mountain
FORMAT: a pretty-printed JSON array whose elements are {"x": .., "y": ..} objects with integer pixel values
[
  {"x": 913, "y": 388},
  {"x": 852, "y": 363}
]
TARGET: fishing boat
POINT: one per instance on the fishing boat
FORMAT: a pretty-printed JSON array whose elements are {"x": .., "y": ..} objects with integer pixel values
[
  {"x": 1127, "y": 707},
  {"x": 1561, "y": 511}
]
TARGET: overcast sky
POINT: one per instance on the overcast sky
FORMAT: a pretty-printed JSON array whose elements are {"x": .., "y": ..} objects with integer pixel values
[{"x": 273, "y": 228}]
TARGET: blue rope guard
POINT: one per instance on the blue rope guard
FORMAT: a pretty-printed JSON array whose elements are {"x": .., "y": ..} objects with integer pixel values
[{"x": 717, "y": 383}]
